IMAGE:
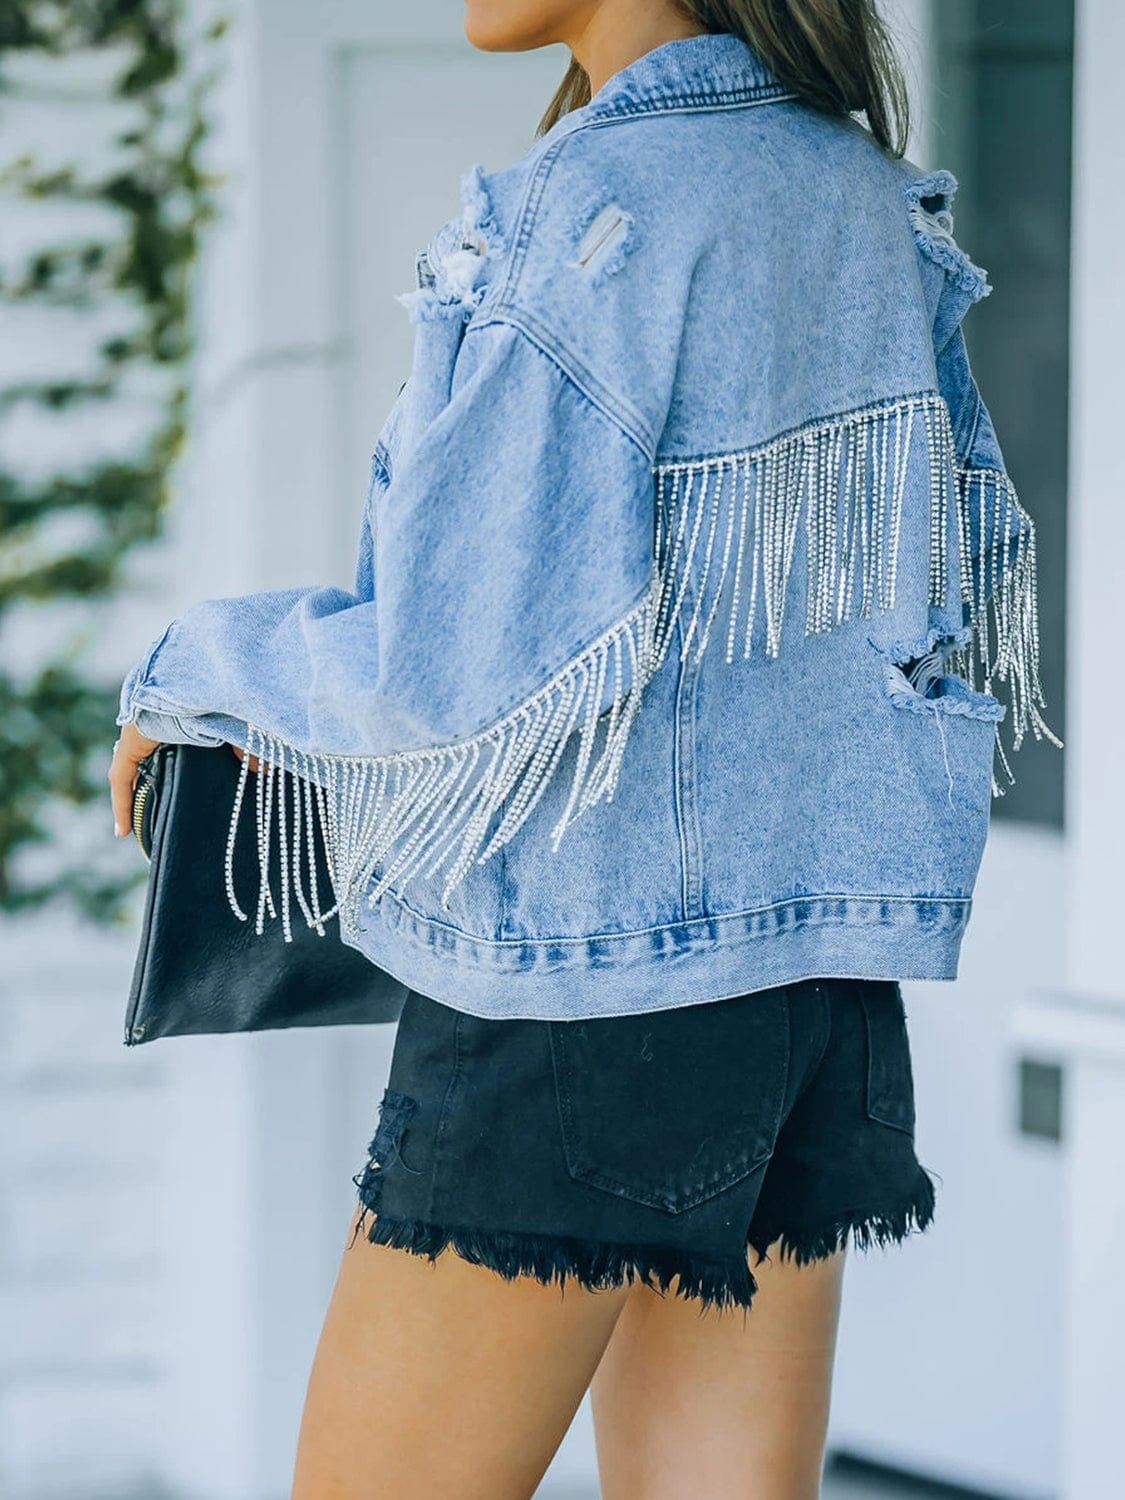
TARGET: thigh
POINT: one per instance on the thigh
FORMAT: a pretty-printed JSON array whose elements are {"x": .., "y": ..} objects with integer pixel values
[
  {"x": 441, "y": 1378},
  {"x": 434, "y": 1375},
  {"x": 719, "y": 1404},
  {"x": 588, "y": 1154}
]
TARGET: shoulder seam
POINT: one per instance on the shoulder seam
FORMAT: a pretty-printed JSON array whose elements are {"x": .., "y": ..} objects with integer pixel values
[
  {"x": 622, "y": 415},
  {"x": 521, "y": 229},
  {"x": 500, "y": 305}
]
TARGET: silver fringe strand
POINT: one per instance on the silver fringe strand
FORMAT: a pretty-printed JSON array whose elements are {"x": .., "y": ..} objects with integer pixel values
[
  {"x": 845, "y": 477},
  {"x": 725, "y": 533},
  {"x": 1001, "y": 598},
  {"x": 422, "y": 809}
]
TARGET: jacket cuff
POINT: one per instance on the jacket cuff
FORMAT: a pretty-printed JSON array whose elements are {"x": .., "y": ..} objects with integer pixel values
[
  {"x": 170, "y": 729},
  {"x": 158, "y": 724}
]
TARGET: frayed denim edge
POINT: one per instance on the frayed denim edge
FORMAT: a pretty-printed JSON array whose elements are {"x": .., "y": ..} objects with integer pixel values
[
  {"x": 596, "y": 1267},
  {"x": 866, "y": 1227},
  {"x": 395, "y": 1112},
  {"x": 933, "y": 232}
]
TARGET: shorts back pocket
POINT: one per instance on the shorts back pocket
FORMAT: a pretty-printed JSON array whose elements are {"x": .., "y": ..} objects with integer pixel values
[
  {"x": 890, "y": 1077},
  {"x": 670, "y": 1107}
]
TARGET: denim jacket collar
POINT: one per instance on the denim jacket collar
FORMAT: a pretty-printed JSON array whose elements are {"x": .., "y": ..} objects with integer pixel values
[{"x": 712, "y": 70}]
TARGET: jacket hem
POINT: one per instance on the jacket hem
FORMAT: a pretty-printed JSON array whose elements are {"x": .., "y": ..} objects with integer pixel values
[{"x": 679, "y": 963}]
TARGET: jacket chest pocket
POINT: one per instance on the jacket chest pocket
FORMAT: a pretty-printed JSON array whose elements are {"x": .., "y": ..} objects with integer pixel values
[{"x": 671, "y": 1107}]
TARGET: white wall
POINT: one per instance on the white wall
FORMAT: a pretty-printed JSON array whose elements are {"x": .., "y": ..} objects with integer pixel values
[
  {"x": 83, "y": 1270},
  {"x": 1082, "y": 1021}
]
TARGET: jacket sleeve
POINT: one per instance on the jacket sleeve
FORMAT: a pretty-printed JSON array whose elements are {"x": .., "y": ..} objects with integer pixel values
[
  {"x": 509, "y": 607},
  {"x": 996, "y": 535},
  {"x": 998, "y": 554},
  {"x": 996, "y": 529}
]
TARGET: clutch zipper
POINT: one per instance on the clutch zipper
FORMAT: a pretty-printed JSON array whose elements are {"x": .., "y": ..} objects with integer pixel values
[
  {"x": 140, "y": 801},
  {"x": 146, "y": 784}
]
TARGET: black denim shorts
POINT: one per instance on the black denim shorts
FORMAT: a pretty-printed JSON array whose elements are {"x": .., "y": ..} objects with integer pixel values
[{"x": 663, "y": 1146}]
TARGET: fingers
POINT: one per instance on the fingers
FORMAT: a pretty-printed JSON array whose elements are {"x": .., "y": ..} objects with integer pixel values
[{"x": 128, "y": 752}]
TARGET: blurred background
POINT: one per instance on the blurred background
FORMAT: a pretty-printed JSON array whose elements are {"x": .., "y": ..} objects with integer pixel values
[{"x": 205, "y": 213}]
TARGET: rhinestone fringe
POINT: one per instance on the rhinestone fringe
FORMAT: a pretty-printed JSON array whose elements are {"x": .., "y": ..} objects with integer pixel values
[
  {"x": 725, "y": 534},
  {"x": 999, "y": 589}
]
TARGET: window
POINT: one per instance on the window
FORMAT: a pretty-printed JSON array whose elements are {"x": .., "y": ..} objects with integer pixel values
[{"x": 1002, "y": 124}]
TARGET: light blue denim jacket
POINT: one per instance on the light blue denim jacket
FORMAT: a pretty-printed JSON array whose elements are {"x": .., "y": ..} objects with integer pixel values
[{"x": 694, "y": 609}]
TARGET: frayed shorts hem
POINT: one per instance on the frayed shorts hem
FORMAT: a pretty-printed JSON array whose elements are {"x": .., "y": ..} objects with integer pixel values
[
  {"x": 873, "y": 1224},
  {"x": 596, "y": 1267},
  {"x": 600, "y": 1267}
]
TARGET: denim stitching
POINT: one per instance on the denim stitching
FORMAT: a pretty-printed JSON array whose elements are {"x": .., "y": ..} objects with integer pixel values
[
  {"x": 612, "y": 406},
  {"x": 439, "y": 1133},
  {"x": 798, "y": 429},
  {"x": 565, "y": 940},
  {"x": 875, "y": 1098},
  {"x": 734, "y": 1171},
  {"x": 671, "y": 104}
]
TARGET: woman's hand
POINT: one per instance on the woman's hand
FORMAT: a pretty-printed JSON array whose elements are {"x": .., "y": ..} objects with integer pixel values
[{"x": 128, "y": 753}]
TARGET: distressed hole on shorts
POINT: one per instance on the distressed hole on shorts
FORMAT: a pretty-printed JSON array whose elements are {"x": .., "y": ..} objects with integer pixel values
[{"x": 395, "y": 1112}]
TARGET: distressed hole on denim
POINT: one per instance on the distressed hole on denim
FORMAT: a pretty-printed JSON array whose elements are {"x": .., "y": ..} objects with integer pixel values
[
  {"x": 395, "y": 1112},
  {"x": 604, "y": 240},
  {"x": 934, "y": 676}
]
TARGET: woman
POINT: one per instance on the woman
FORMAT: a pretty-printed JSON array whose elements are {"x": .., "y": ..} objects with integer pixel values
[{"x": 690, "y": 428}]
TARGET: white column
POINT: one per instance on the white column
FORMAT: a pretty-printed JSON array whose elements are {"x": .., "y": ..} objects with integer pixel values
[
  {"x": 1085, "y": 1027},
  {"x": 1095, "y": 786},
  {"x": 1088, "y": 1038}
]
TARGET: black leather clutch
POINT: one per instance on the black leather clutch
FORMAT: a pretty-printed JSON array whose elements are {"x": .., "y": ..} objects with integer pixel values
[{"x": 198, "y": 968}]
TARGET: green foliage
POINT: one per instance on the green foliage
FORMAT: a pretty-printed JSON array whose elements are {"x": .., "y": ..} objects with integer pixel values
[{"x": 58, "y": 727}]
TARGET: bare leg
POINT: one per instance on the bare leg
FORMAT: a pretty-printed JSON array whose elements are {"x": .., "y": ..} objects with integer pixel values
[
  {"x": 442, "y": 1378},
  {"x": 723, "y": 1404}
]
